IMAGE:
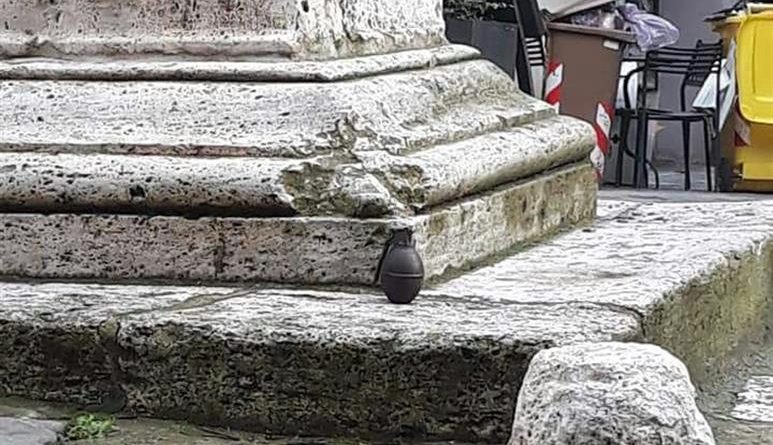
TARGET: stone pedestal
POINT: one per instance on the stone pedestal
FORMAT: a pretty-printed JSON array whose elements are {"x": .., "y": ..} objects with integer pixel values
[
  {"x": 279, "y": 141},
  {"x": 297, "y": 29}
]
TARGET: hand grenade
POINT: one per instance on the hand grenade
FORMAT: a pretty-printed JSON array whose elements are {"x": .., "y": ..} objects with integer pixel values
[{"x": 401, "y": 271}]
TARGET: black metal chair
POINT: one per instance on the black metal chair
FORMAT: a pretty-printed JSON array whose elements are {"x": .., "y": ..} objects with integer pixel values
[
  {"x": 694, "y": 65},
  {"x": 534, "y": 30},
  {"x": 535, "y": 51},
  {"x": 531, "y": 52}
]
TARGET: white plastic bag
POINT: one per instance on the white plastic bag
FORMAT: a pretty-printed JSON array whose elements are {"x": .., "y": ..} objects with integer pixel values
[{"x": 652, "y": 32}]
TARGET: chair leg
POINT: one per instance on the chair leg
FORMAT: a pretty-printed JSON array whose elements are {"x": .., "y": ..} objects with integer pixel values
[
  {"x": 709, "y": 143},
  {"x": 686, "y": 151},
  {"x": 625, "y": 125},
  {"x": 640, "y": 172}
]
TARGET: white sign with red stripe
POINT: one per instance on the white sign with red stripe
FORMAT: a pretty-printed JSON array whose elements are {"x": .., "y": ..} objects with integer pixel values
[
  {"x": 603, "y": 126},
  {"x": 553, "y": 82}
]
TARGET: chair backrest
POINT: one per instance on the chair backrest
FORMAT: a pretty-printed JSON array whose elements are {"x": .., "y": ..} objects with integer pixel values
[
  {"x": 696, "y": 74},
  {"x": 535, "y": 51},
  {"x": 694, "y": 65},
  {"x": 531, "y": 19},
  {"x": 534, "y": 30}
]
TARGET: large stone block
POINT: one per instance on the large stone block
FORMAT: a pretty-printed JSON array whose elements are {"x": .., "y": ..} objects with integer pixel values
[
  {"x": 362, "y": 184},
  {"x": 397, "y": 112},
  {"x": 292, "y": 250},
  {"x": 379, "y": 146},
  {"x": 700, "y": 291},
  {"x": 448, "y": 366},
  {"x": 30, "y": 431},
  {"x": 217, "y": 28},
  {"x": 284, "y": 361},
  {"x": 608, "y": 394}
]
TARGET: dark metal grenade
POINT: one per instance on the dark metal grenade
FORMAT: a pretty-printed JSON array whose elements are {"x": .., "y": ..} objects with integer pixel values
[{"x": 401, "y": 270}]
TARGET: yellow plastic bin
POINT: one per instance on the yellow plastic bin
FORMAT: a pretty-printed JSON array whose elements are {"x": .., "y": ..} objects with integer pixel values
[{"x": 749, "y": 165}]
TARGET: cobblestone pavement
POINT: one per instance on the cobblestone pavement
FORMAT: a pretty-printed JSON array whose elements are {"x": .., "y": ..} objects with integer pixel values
[{"x": 739, "y": 406}]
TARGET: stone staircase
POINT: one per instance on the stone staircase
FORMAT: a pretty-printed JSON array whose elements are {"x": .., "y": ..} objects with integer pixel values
[{"x": 346, "y": 363}]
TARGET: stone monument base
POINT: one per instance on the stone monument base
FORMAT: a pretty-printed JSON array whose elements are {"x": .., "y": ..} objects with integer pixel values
[{"x": 294, "y": 172}]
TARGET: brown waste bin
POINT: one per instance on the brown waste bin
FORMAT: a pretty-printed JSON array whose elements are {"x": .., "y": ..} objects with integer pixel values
[{"x": 591, "y": 59}]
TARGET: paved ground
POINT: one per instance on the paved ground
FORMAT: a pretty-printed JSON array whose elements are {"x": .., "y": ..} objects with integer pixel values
[
  {"x": 740, "y": 405},
  {"x": 661, "y": 196},
  {"x": 671, "y": 177},
  {"x": 138, "y": 431}
]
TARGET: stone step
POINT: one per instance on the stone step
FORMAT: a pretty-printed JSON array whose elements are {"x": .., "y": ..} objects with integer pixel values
[
  {"x": 233, "y": 69},
  {"x": 286, "y": 361},
  {"x": 692, "y": 277},
  {"x": 310, "y": 250},
  {"x": 398, "y": 112},
  {"x": 364, "y": 184}
]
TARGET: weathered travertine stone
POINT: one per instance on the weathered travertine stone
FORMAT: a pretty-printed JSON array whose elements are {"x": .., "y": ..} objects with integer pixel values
[
  {"x": 242, "y": 70},
  {"x": 462, "y": 236},
  {"x": 276, "y": 28},
  {"x": 15, "y": 431},
  {"x": 145, "y": 184},
  {"x": 368, "y": 184},
  {"x": 295, "y": 250},
  {"x": 443, "y": 173},
  {"x": 449, "y": 366},
  {"x": 374, "y": 147},
  {"x": 608, "y": 394},
  {"x": 129, "y": 247},
  {"x": 287, "y": 361},
  {"x": 755, "y": 403},
  {"x": 278, "y": 140},
  {"x": 699, "y": 289},
  {"x": 398, "y": 113}
]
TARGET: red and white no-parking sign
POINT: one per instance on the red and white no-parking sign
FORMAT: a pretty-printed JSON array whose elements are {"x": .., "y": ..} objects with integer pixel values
[
  {"x": 603, "y": 126},
  {"x": 553, "y": 82}
]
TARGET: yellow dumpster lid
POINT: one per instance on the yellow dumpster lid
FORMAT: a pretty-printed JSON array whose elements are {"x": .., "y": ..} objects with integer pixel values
[{"x": 755, "y": 67}]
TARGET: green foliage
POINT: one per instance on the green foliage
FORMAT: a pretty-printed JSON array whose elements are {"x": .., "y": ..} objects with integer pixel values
[{"x": 89, "y": 426}]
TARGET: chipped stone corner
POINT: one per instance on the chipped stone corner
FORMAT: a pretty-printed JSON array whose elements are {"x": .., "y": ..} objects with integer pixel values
[{"x": 337, "y": 187}]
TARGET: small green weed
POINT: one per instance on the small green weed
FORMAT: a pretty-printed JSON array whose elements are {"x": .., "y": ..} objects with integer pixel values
[{"x": 89, "y": 426}]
